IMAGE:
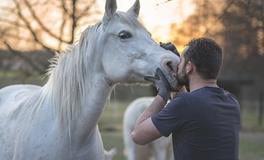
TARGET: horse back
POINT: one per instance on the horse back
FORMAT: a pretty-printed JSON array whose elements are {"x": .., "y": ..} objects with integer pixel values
[
  {"x": 12, "y": 95},
  {"x": 11, "y": 98}
]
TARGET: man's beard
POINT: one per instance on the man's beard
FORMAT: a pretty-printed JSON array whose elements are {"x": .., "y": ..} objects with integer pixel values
[{"x": 183, "y": 79}]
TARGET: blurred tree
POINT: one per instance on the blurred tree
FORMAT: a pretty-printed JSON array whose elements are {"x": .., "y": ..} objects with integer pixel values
[
  {"x": 205, "y": 21},
  {"x": 238, "y": 25},
  {"x": 244, "y": 38},
  {"x": 43, "y": 24}
]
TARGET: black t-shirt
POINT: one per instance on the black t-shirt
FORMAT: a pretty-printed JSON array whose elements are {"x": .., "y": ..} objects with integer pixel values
[{"x": 204, "y": 124}]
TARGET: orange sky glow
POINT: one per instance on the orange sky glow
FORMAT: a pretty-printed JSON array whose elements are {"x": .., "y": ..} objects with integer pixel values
[{"x": 158, "y": 15}]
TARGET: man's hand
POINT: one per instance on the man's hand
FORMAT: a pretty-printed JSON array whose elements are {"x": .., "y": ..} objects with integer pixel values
[
  {"x": 161, "y": 83},
  {"x": 169, "y": 46}
]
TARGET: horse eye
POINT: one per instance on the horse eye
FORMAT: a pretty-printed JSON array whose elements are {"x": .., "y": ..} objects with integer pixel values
[{"x": 124, "y": 35}]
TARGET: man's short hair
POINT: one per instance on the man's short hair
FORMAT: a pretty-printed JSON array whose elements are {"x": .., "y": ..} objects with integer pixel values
[{"x": 206, "y": 55}]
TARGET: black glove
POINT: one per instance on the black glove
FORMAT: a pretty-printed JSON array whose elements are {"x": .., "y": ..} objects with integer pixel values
[
  {"x": 161, "y": 83},
  {"x": 169, "y": 46}
]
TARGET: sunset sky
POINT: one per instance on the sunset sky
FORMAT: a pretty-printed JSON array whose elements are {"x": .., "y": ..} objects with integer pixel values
[{"x": 157, "y": 15}]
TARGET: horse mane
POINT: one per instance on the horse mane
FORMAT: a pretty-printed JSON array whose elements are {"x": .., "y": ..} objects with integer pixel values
[
  {"x": 70, "y": 78},
  {"x": 69, "y": 75}
]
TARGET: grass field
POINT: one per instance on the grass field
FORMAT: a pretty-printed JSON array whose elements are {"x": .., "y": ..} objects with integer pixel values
[{"x": 251, "y": 139}]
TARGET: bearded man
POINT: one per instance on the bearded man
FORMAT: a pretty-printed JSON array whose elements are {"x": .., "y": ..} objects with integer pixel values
[{"x": 205, "y": 121}]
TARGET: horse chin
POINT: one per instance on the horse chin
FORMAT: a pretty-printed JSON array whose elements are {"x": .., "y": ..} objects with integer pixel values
[
  {"x": 132, "y": 79},
  {"x": 135, "y": 78}
]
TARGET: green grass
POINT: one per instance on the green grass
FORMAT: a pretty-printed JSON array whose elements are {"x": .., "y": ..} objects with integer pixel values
[
  {"x": 15, "y": 77},
  {"x": 112, "y": 116},
  {"x": 251, "y": 146},
  {"x": 249, "y": 120},
  {"x": 114, "y": 140},
  {"x": 110, "y": 125}
]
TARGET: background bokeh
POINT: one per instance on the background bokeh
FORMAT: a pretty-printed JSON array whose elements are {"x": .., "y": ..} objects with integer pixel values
[{"x": 32, "y": 31}]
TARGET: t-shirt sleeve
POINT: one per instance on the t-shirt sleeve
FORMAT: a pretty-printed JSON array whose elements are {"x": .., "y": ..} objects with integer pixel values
[{"x": 172, "y": 117}]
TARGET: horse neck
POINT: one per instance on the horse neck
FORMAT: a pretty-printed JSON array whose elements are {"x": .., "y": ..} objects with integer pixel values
[{"x": 77, "y": 85}]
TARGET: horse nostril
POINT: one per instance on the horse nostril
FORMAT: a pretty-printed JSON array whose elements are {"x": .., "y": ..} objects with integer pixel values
[{"x": 170, "y": 66}]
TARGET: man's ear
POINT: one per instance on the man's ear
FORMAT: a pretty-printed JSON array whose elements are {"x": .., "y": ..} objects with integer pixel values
[{"x": 189, "y": 67}]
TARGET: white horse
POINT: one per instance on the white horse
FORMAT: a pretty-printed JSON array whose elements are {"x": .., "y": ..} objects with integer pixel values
[
  {"x": 58, "y": 121},
  {"x": 160, "y": 149}
]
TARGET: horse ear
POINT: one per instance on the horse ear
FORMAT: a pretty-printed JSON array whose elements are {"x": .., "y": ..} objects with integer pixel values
[
  {"x": 134, "y": 10},
  {"x": 110, "y": 9}
]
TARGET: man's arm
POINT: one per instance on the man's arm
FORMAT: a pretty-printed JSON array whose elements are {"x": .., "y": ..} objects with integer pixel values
[{"x": 144, "y": 130}]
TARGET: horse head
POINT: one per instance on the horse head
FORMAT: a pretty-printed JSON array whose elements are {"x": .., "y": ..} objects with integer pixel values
[{"x": 128, "y": 51}]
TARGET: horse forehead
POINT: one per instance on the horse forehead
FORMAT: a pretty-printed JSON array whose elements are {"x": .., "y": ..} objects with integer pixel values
[{"x": 126, "y": 20}]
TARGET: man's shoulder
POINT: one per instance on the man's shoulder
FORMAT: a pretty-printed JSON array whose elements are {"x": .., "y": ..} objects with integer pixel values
[
  {"x": 181, "y": 98},
  {"x": 184, "y": 96}
]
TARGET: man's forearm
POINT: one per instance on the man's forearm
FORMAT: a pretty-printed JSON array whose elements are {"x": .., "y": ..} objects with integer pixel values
[
  {"x": 156, "y": 106},
  {"x": 144, "y": 130}
]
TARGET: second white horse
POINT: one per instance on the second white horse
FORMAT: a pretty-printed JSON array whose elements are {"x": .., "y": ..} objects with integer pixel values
[{"x": 160, "y": 149}]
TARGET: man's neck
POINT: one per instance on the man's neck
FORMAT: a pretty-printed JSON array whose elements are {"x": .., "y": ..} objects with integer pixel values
[{"x": 196, "y": 82}]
